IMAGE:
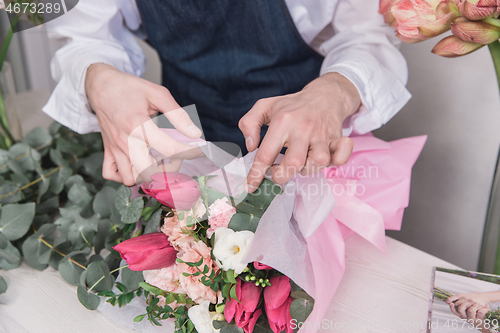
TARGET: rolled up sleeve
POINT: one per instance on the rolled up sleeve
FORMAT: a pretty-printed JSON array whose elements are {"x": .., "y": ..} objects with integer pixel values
[
  {"x": 95, "y": 31},
  {"x": 365, "y": 50}
]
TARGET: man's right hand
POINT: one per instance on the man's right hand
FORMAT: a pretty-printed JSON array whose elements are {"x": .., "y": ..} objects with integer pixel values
[{"x": 124, "y": 105}]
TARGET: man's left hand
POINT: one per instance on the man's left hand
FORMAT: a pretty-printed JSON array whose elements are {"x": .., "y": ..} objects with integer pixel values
[{"x": 308, "y": 123}]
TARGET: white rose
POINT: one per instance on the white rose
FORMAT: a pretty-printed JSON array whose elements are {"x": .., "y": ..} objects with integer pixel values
[
  {"x": 202, "y": 318},
  {"x": 230, "y": 247}
]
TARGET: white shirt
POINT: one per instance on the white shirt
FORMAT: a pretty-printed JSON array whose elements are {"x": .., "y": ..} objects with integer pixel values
[{"x": 351, "y": 34}]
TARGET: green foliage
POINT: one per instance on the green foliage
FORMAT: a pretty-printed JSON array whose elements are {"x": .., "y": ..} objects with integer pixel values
[
  {"x": 253, "y": 205},
  {"x": 3, "y": 285},
  {"x": 130, "y": 210}
]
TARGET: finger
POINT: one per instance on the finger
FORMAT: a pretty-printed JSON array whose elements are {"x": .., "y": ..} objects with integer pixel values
[
  {"x": 453, "y": 309},
  {"x": 462, "y": 309},
  {"x": 172, "y": 165},
  {"x": 124, "y": 168},
  {"x": 472, "y": 310},
  {"x": 482, "y": 312},
  {"x": 250, "y": 124},
  {"x": 342, "y": 150},
  {"x": 154, "y": 137},
  {"x": 164, "y": 102},
  {"x": 109, "y": 168},
  {"x": 452, "y": 299},
  {"x": 265, "y": 157},
  {"x": 461, "y": 300},
  {"x": 317, "y": 158},
  {"x": 293, "y": 162}
]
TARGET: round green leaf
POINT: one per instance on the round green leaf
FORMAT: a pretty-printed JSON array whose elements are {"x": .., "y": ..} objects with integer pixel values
[
  {"x": 10, "y": 257},
  {"x": 16, "y": 219},
  {"x": 69, "y": 270},
  {"x": 104, "y": 202},
  {"x": 131, "y": 279},
  {"x": 3, "y": 285},
  {"x": 12, "y": 189},
  {"x": 241, "y": 221},
  {"x": 129, "y": 210},
  {"x": 99, "y": 271},
  {"x": 300, "y": 309},
  {"x": 88, "y": 300},
  {"x": 39, "y": 139}
]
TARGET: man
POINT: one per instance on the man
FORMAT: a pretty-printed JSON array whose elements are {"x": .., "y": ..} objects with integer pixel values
[{"x": 314, "y": 71}]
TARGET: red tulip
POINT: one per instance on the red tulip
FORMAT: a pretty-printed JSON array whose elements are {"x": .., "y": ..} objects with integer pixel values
[
  {"x": 244, "y": 312},
  {"x": 147, "y": 252},
  {"x": 260, "y": 266},
  {"x": 277, "y": 302},
  {"x": 173, "y": 189}
]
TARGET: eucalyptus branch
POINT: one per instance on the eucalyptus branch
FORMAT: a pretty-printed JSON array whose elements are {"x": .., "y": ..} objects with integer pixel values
[
  {"x": 59, "y": 252},
  {"x": 102, "y": 277}
]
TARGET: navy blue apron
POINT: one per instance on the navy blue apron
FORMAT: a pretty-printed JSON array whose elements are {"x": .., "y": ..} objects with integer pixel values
[{"x": 225, "y": 55}]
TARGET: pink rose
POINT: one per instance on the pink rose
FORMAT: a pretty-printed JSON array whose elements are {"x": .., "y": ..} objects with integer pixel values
[
  {"x": 147, "y": 252},
  {"x": 166, "y": 279},
  {"x": 244, "y": 312},
  {"x": 220, "y": 213},
  {"x": 173, "y": 189},
  {"x": 277, "y": 302},
  {"x": 195, "y": 289}
]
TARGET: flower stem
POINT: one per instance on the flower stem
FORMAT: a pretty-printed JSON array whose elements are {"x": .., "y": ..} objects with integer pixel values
[
  {"x": 4, "y": 124},
  {"x": 495, "y": 56},
  {"x": 8, "y": 38}
]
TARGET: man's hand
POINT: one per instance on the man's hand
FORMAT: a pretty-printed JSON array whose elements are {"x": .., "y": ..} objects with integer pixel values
[
  {"x": 308, "y": 123},
  {"x": 124, "y": 104}
]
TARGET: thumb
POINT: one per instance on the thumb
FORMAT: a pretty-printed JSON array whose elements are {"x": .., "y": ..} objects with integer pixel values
[
  {"x": 251, "y": 123},
  {"x": 165, "y": 103}
]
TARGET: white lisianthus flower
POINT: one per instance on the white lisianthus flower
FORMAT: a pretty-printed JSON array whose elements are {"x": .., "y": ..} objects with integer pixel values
[
  {"x": 202, "y": 318},
  {"x": 230, "y": 247},
  {"x": 2, "y": 4}
]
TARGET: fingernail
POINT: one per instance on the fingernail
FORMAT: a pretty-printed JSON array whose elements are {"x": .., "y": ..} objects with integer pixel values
[
  {"x": 249, "y": 142},
  {"x": 193, "y": 129}
]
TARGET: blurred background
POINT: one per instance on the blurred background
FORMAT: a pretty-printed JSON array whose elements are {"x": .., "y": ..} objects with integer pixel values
[{"x": 455, "y": 102}]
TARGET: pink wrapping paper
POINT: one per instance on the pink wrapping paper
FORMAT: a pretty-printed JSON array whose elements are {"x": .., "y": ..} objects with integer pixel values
[
  {"x": 302, "y": 235},
  {"x": 380, "y": 207}
]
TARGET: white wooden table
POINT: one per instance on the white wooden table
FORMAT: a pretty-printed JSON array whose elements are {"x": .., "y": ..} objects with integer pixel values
[{"x": 378, "y": 293}]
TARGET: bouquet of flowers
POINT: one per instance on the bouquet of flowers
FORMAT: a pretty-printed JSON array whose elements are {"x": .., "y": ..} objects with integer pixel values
[
  {"x": 193, "y": 268},
  {"x": 203, "y": 255}
]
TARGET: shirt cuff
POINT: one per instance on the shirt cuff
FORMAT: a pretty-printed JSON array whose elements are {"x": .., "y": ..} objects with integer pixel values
[
  {"x": 382, "y": 94},
  {"x": 68, "y": 104}
]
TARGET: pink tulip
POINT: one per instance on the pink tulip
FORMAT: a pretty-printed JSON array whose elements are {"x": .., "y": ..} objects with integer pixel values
[
  {"x": 260, "y": 266},
  {"x": 147, "y": 252},
  {"x": 244, "y": 312},
  {"x": 452, "y": 47},
  {"x": 474, "y": 31},
  {"x": 277, "y": 302},
  {"x": 479, "y": 10},
  {"x": 417, "y": 20},
  {"x": 173, "y": 189}
]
